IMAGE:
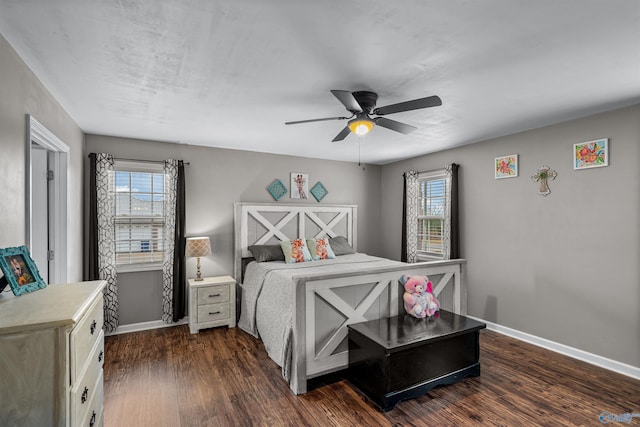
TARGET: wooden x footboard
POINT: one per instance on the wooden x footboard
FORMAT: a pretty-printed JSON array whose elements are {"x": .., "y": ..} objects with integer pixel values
[{"x": 325, "y": 307}]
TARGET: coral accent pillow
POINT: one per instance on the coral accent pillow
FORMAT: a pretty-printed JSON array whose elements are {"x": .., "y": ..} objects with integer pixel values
[
  {"x": 295, "y": 251},
  {"x": 320, "y": 249}
]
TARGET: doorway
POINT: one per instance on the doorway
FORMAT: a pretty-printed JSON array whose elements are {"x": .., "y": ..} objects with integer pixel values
[{"x": 46, "y": 210}]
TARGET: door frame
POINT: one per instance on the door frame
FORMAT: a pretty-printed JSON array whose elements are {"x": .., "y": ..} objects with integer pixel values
[{"x": 58, "y": 153}]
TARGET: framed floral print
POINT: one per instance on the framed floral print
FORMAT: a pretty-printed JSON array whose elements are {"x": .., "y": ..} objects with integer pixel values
[
  {"x": 591, "y": 154},
  {"x": 506, "y": 166}
]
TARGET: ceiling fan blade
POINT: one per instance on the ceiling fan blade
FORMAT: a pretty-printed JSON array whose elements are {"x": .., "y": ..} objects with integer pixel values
[
  {"x": 342, "y": 135},
  {"x": 416, "y": 104},
  {"x": 316, "y": 120},
  {"x": 394, "y": 125},
  {"x": 347, "y": 100}
]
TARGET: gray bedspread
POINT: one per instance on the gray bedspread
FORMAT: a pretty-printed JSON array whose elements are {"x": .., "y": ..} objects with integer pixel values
[{"x": 268, "y": 298}]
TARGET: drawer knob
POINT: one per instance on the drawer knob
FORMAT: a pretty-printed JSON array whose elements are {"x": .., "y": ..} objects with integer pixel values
[
  {"x": 213, "y": 295},
  {"x": 100, "y": 356},
  {"x": 93, "y": 327},
  {"x": 215, "y": 312},
  {"x": 92, "y": 421},
  {"x": 84, "y": 396}
]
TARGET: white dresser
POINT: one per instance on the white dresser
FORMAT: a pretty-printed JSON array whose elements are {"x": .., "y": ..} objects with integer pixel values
[
  {"x": 51, "y": 356},
  {"x": 212, "y": 302}
]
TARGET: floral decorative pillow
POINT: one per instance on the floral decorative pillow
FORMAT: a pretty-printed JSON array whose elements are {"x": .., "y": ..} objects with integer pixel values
[
  {"x": 320, "y": 249},
  {"x": 295, "y": 251}
]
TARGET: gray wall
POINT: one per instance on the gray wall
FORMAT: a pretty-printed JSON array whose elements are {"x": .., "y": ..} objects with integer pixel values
[
  {"x": 22, "y": 93},
  {"x": 562, "y": 267},
  {"x": 218, "y": 177}
]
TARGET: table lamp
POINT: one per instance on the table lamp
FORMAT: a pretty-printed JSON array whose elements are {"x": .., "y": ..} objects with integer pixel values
[{"x": 198, "y": 247}]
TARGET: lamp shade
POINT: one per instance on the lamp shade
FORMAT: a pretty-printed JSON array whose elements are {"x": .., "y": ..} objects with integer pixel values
[{"x": 198, "y": 246}]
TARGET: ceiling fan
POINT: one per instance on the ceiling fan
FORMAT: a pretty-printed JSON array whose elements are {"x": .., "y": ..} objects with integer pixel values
[{"x": 362, "y": 105}]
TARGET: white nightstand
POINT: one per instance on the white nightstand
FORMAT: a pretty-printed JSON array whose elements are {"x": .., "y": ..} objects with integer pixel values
[{"x": 212, "y": 302}]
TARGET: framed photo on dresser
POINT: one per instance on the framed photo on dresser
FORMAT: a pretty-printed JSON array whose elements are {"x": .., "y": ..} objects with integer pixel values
[{"x": 20, "y": 270}]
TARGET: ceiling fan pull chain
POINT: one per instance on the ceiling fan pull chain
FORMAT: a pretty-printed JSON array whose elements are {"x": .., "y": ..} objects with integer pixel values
[{"x": 360, "y": 142}]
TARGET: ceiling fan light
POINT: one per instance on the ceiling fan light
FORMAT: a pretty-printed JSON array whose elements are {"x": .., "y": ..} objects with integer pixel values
[{"x": 360, "y": 126}]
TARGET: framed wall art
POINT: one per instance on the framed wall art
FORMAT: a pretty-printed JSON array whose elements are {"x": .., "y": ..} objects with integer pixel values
[
  {"x": 506, "y": 166},
  {"x": 299, "y": 185},
  {"x": 20, "y": 270},
  {"x": 591, "y": 154}
]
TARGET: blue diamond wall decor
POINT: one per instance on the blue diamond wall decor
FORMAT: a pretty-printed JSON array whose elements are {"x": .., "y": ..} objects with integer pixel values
[
  {"x": 277, "y": 189},
  {"x": 319, "y": 191}
]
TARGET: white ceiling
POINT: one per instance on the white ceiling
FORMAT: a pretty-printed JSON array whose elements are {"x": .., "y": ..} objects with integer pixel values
[{"x": 230, "y": 73}]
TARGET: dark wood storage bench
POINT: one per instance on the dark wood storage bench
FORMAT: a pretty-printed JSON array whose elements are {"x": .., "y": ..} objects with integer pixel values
[{"x": 402, "y": 357}]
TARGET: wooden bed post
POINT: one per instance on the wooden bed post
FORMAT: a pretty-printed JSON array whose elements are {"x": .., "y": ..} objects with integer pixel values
[{"x": 298, "y": 382}]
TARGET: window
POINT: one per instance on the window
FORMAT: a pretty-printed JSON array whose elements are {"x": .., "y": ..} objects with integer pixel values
[
  {"x": 139, "y": 219},
  {"x": 432, "y": 213}
]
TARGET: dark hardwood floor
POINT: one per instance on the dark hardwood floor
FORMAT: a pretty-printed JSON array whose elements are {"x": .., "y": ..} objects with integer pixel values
[{"x": 223, "y": 377}]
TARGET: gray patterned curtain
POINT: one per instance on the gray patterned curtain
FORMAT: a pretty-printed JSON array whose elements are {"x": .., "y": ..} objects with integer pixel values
[
  {"x": 173, "y": 264},
  {"x": 410, "y": 217},
  {"x": 102, "y": 243}
]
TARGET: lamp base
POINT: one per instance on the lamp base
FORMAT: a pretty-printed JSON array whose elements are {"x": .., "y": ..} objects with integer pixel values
[{"x": 198, "y": 274}]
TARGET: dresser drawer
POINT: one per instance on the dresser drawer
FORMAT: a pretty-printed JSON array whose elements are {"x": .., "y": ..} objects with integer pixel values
[
  {"x": 213, "y": 312},
  {"x": 87, "y": 386},
  {"x": 94, "y": 415},
  {"x": 84, "y": 337},
  {"x": 213, "y": 294},
  {"x": 96, "y": 358}
]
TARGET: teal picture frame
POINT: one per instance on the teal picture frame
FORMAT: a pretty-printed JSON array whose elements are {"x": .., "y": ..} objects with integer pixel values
[{"x": 20, "y": 270}]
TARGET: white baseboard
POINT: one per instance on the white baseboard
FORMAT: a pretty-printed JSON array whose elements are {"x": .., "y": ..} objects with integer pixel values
[
  {"x": 145, "y": 326},
  {"x": 603, "y": 362}
]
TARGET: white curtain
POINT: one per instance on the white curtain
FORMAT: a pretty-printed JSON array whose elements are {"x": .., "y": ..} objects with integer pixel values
[
  {"x": 105, "y": 209},
  {"x": 410, "y": 244},
  {"x": 170, "y": 201}
]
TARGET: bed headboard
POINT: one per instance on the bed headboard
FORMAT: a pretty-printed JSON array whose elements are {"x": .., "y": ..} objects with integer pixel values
[{"x": 269, "y": 223}]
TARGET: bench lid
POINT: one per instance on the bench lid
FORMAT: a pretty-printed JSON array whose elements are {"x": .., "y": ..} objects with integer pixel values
[{"x": 399, "y": 332}]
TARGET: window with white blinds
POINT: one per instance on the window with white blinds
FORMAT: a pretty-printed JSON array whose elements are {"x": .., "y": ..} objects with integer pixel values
[
  {"x": 432, "y": 206},
  {"x": 139, "y": 221}
]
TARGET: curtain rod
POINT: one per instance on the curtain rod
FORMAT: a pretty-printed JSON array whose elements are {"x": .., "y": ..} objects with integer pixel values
[
  {"x": 143, "y": 161},
  {"x": 447, "y": 166}
]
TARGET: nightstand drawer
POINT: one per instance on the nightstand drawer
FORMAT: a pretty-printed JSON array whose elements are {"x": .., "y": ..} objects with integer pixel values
[
  {"x": 213, "y": 294},
  {"x": 213, "y": 312}
]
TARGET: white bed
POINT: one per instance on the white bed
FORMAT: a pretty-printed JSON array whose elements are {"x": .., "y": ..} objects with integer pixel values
[{"x": 305, "y": 308}]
